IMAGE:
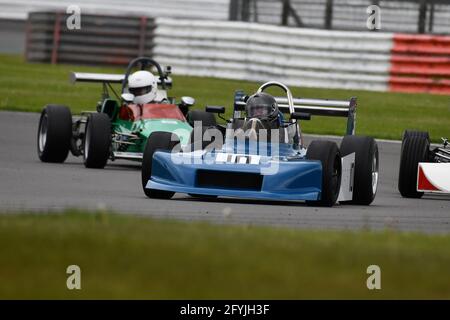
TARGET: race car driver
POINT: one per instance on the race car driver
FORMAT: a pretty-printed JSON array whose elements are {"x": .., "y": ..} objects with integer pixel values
[
  {"x": 261, "y": 113},
  {"x": 143, "y": 85}
]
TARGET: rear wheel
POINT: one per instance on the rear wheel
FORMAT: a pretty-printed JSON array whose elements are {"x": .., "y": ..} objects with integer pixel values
[
  {"x": 365, "y": 183},
  {"x": 97, "y": 141},
  {"x": 206, "y": 118},
  {"x": 54, "y": 133},
  {"x": 328, "y": 153},
  {"x": 415, "y": 149},
  {"x": 200, "y": 140},
  {"x": 207, "y": 121},
  {"x": 157, "y": 141}
]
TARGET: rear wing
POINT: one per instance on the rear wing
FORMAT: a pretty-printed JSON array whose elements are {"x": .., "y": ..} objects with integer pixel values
[
  {"x": 106, "y": 78},
  {"x": 317, "y": 107}
]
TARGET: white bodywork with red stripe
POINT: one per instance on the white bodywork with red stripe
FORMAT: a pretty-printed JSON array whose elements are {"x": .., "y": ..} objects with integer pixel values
[{"x": 433, "y": 177}]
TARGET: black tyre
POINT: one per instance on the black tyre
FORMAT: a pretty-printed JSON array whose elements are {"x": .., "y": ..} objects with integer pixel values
[
  {"x": 54, "y": 133},
  {"x": 367, "y": 163},
  {"x": 207, "y": 118},
  {"x": 157, "y": 141},
  {"x": 415, "y": 149},
  {"x": 97, "y": 141},
  {"x": 328, "y": 153},
  {"x": 414, "y": 133},
  {"x": 198, "y": 141}
]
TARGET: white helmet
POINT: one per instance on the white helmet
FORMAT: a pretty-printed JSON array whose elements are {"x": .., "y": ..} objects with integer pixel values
[{"x": 143, "y": 85}]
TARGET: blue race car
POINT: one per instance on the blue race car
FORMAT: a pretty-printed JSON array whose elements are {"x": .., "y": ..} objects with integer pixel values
[{"x": 262, "y": 155}]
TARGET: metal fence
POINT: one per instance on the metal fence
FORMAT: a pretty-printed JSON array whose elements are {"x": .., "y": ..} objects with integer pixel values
[{"x": 411, "y": 16}]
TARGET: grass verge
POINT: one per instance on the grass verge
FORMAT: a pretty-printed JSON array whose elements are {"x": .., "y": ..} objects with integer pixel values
[
  {"x": 124, "y": 256},
  {"x": 29, "y": 86}
]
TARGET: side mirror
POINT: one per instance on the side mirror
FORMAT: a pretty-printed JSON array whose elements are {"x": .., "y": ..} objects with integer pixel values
[
  {"x": 215, "y": 109},
  {"x": 245, "y": 98},
  {"x": 301, "y": 116},
  {"x": 127, "y": 97},
  {"x": 168, "y": 70},
  {"x": 187, "y": 101}
]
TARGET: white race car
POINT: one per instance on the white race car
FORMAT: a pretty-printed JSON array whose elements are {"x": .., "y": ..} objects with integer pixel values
[{"x": 423, "y": 169}]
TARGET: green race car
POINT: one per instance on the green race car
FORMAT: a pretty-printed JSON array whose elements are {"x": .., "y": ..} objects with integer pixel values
[{"x": 120, "y": 128}]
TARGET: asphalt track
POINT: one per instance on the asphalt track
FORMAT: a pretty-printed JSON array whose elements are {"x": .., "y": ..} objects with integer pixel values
[{"x": 28, "y": 184}]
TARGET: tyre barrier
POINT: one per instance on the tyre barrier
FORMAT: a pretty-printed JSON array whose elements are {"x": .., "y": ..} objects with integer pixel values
[{"x": 102, "y": 40}]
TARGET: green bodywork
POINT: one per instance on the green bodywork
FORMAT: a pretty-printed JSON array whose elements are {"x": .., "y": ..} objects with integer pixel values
[
  {"x": 141, "y": 128},
  {"x": 144, "y": 128}
]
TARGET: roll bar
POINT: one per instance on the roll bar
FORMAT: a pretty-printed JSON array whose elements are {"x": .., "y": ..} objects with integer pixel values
[{"x": 317, "y": 107}]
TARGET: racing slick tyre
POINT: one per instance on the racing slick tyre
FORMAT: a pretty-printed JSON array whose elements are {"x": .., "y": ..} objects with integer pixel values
[
  {"x": 328, "y": 153},
  {"x": 415, "y": 149},
  {"x": 97, "y": 141},
  {"x": 366, "y": 174},
  {"x": 54, "y": 133},
  {"x": 413, "y": 133},
  {"x": 207, "y": 118},
  {"x": 157, "y": 141},
  {"x": 200, "y": 140}
]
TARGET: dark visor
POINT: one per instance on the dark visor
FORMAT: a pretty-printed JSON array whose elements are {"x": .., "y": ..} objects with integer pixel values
[
  {"x": 140, "y": 91},
  {"x": 259, "y": 111}
]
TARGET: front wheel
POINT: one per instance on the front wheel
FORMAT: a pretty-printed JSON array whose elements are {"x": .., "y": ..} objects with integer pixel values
[
  {"x": 157, "y": 141},
  {"x": 415, "y": 149},
  {"x": 367, "y": 163},
  {"x": 328, "y": 153},
  {"x": 54, "y": 133}
]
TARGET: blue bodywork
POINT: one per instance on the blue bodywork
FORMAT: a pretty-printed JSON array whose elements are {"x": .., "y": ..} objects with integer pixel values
[{"x": 282, "y": 173}]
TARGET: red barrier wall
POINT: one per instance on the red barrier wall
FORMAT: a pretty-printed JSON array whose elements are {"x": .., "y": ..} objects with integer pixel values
[{"x": 420, "y": 63}]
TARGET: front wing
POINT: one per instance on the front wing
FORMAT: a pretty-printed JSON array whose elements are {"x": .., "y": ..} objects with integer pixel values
[
  {"x": 433, "y": 177},
  {"x": 294, "y": 180}
]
